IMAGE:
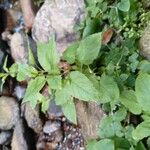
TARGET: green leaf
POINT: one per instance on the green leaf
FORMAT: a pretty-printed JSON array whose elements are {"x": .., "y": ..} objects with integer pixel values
[
  {"x": 62, "y": 95},
  {"x": 120, "y": 115},
  {"x": 3, "y": 81},
  {"x": 108, "y": 89},
  {"x": 140, "y": 146},
  {"x": 110, "y": 128},
  {"x": 35, "y": 99},
  {"x": 91, "y": 145},
  {"x": 128, "y": 134},
  {"x": 121, "y": 144},
  {"x": 5, "y": 64},
  {"x": 31, "y": 57},
  {"x": 45, "y": 105},
  {"x": 124, "y": 5},
  {"x": 54, "y": 81},
  {"x": 106, "y": 144},
  {"x": 89, "y": 49},
  {"x": 70, "y": 53},
  {"x": 129, "y": 100},
  {"x": 81, "y": 87},
  {"x": 146, "y": 116},
  {"x": 48, "y": 56},
  {"x": 25, "y": 71},
  {"x": 2, "y": 74},
  {"x": 92, "y": 26},
  {"x": 144, "y": 66},
  {"x": 94, "y": 10},
  {"x": 32, "y": 94},
  {"x": 92, "y": 2},
  {"x": 114, "y": 17},
  {"x": 69, "y": 111},
  {"x": 141, "y": 131},
  {"x": 142, "y": 89},
  {"x": 132, "y": 148},
  {"x": 13, "y": 70}
]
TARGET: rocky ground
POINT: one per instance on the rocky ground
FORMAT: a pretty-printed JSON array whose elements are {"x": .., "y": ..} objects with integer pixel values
[{"x": 21, "y": 127}]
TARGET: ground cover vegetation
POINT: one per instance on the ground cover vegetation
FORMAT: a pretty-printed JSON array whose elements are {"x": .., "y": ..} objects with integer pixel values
[{"x": 104, "y": 66}]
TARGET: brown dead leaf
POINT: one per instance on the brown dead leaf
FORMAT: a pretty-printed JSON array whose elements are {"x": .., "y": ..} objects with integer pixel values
[{"x": 107, "y": 35}]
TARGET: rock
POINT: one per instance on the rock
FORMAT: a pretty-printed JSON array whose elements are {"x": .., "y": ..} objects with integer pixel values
[
  {"x": 6, "y": 36},
  {"x": 54, "y": 111},
  {"x": 9, "y": 112},
  {"x": 18, "y": 140},
  {"x": 51, "y": 127},
  {"x": 145, "y": 43},
  {"x": 32, "y": 117},
  {"x": 58, "y": 17},
  {"x": 5, "y": 136},
  {"x": 51, "y": 136},
  {"x": 19, "y": 92},
  {"x": 89, "y": 116},
  {"x": 28, "y": 12},
  {"x": 19, "y": 47}
]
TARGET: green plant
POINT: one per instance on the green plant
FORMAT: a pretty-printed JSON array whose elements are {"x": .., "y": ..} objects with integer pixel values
[
  {"x": 124, "y": 73},
  {"x": 65, "y": 81},
  {"x": 105, "y": 67}
]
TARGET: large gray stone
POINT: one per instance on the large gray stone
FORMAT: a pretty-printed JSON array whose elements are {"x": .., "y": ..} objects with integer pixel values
[
  {"x": 20, "y": 48},
  {"x": 58, "y": 17},
  {"x": 9, "y": 113}
]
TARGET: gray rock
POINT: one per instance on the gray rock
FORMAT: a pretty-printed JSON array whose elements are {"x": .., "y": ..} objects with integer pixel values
[
  {"x": 51, "y": 136},
  {"x": 5, "y": 136},
  {"x": 54, "y": 111},
  {"x": 19, "y": 47},
  {"x": 145, "y": 43},
  {"x": 51, "y": 126},
  {"x": 58, "y": 17},
  {"x": 9, "y": 112},
  {"x": 89, "y": 116},
  {"x": 19, "y": 92},
  {"x": 32, "y": 117},
  {"x": 18, "y": 140}
]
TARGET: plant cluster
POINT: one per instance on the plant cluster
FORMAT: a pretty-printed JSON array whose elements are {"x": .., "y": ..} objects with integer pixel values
[{"x": 105, "y": 67}]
